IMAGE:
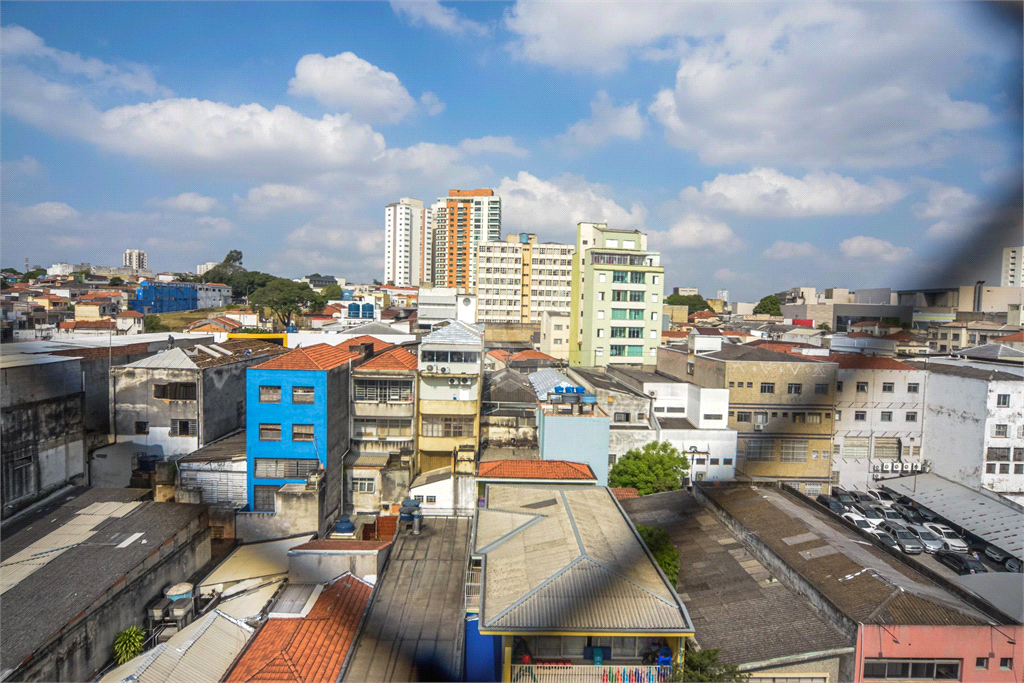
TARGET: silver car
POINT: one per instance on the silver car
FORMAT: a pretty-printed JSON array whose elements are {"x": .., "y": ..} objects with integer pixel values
[
  {"x": 950, "y": 539},
  {"x": 931, "y": 542},
  {"x": 907, "y": 541}
]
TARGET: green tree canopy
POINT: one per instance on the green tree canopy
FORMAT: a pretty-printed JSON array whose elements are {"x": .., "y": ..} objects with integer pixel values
[
  {"x": 233, "y": 258},
  {"x": 768, "y": 305},
  {"x": 331, "y": 292},
  {"x": 695, "y": 302},
  {"x": 703, "y": 665},
  {"x": 377, "y": 282},
  {"x": 155, "y": 324},
  {"x": 286, "y": 299},
  {"x": 115, "y": 281},
  {"x": 33, "y": 274},
  {"x": 655, "y": 468},
  {"x": 660, "y": 545},
  {"x": 825, "y": 326},
  {"x": 128, "y": 644}
]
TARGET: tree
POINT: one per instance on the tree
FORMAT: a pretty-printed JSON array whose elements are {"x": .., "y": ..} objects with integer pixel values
[
  {"x": 660, "y": 545},
  {"x": 314, "y": 275},
  {"x": 115, "y": 281},
  {"x": 377, "y": 282},
  {"x": 286, "y": 299},
  {"x": 655, "y": 468},
  {"x": 695, "y": 302},
  {"x": 703, "y": 665},
  {"x": 233, "y": 258},
  {"x": 33, "y": 274},
  {"x": 155, "y": 324},
  {"x": 825, "y": 326},
  {"x": 128, "y": 644},
  {"x": 4, "y": 284},
  {"x": 768, "y": 305},
  {"x": 331, "y": 292}
]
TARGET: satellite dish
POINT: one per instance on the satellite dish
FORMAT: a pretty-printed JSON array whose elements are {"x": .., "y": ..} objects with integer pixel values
[{"x": 693, "y": 449}]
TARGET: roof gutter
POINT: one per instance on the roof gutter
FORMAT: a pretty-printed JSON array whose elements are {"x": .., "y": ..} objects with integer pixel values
[{"x": 794, "y": 659}]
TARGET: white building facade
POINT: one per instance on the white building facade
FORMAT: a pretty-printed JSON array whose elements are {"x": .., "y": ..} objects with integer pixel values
[
  {"x": 135, "y": 258},
  {"x": 554, "y": 334},
  {"x": 518, "y": 280},
  {"x": 1012, "y": 272},
  {"x": 408, "y": 243}
]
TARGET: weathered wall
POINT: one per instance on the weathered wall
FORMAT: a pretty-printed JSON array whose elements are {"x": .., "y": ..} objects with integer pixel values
[
  {"x": 134, "y": 402},
  {"x": 576, "y": 438},
  {"x": 337, "y": 446},
  {"x": 223, "y": 399},
  {"x": 323, "y": 566},
  {"x": 297, "y": 511},
  {"x": 830, "y": 666},
  {"x": 500, "y": 430}
]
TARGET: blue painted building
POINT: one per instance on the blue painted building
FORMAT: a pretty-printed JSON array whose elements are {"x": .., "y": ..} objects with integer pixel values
[
  {"x": 164, "y": 297},
  {"x": 297, "y": 423},
  {"x": 570, "y": 426}
]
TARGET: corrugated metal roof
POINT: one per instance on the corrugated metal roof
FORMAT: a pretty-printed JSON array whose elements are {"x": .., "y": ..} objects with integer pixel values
[
  {"x": 174, "y": 359},
  {"x": 17, "y": 360},
  {"x": 998, "y": 523},
  {"x": 253, "y": 560},
  {"x": 545, "y": 380},
  {"x": 455, "y": 332}
]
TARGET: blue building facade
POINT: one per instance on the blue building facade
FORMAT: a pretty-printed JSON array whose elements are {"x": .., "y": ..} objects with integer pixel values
[
  {"x": 578, "y": 438},
  {"x": 164, "y": 297}
]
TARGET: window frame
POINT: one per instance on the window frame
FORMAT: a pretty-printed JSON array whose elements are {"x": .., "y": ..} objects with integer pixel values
[{"x": 298, "y": 391}]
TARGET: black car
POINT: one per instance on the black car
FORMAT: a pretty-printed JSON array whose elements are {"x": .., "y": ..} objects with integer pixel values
[
  {"x": 843, "y": 496},
  {"x": 961, "y": 564},
  {"x": 862, "y": 498},
  {"x": 908, "y": 513},
  {"x": 831, "y": 503}
]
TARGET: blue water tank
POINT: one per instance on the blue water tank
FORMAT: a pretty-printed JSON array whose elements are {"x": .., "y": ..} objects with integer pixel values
[
  {"x": 368, "y": 311},
  {"x": 344, "y": 526},
  {"x": 559, "y": 390},
  {"x": 410, "y": 503},
  {"x": 580, "y": 390},
  {"x": 353, "y": 310}
]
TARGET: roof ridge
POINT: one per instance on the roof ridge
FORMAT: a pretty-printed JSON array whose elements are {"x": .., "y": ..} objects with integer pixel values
[
  {"x": 543, "y": 584},
  {"x": 534, "y": 518}
]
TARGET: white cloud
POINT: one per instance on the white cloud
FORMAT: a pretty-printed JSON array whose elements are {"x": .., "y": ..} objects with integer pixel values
[
  {"x": 187, "y": 201},
  {"x": 871, "y": 248},
  {"x": 606, "y": 122},
  {"x": 25, "y": 167},
  {"x": 17, "y": 42},
  {"x": 431, "y": 104},
  {"x": 958, "y": 212},
  {"x": 554, "y": 207},
  {"x": 271, "y": 197},
  {"x": 696, "y": 232},
  {"x": 215, "y": 224},
  {"x": 432, "y": 13},
  {"x": 766, "y": 191},
  {"x": 781, "y": 250},
  {"x": 496, "y": 145},
  {"x": 729, "y": 275},
  {"x": 354, "y": 84},
  {"x": 47, "y": 213}
]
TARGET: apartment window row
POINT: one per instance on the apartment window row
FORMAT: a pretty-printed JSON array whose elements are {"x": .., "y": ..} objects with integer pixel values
[
  {"x": 272, "y": 432},
  {"x": 912, "y": 669},
  {"x": 790, "y": 450},
  {"x": 300, "y": 395},
  {"x": 383, "y": 390},
  {"x": 887, "y": 387},
  {"x": 381, "y": 428},
  {"x": 634, "y": 296},
  {"x": 994, "y": 454},
  {"x": 450, "y": 356},
  {"x": 363, "y": 485},
  {"x": 284, "y": 468},
  {"x": 883, "y": 416},
  {"x": 446, "y": 426}
]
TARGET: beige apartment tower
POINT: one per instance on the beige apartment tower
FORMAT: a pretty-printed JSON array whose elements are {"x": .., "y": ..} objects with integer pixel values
[{"x": 518, "y": 280}]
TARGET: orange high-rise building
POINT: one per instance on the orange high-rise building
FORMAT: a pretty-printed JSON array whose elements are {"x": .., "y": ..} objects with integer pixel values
[{"x": 461, "y": 221}]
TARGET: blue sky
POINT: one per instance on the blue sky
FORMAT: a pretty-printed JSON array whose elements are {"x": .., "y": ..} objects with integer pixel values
[{"x": 760, "y": 145}]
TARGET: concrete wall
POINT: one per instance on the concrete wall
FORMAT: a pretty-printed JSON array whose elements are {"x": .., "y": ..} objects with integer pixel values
[
  {"x": 321, "y": 566},
  {"x": 297, "y": 512},
  {"x": 576, "y": 438},
  {"x": 835, "y": 669},
  {"x": 711, "y": 445},
  {"x": 134, "y": 402},
  {"x": 82, "y": 649}
]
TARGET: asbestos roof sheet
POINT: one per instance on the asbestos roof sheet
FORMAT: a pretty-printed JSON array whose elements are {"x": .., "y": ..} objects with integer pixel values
[
  {"x": 455, "y": 332},
  {"x": 253, "y": 560},
  {"x": 545, "y": 380},
  {"x": 999, "y": 523},
  {"x": 569, "y": 560},
  {"x": 174, "y": 359}
]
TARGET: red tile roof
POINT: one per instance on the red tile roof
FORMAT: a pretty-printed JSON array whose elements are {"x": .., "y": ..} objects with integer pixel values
[
  {"x": 858, "y": 361},
  {"x": 331, "y": 309},
  {"x": 378, "y": 345},
  {"x": 675, "y": 334},
  {"x": 530, "y": 354},
  {"x": 392, "y": 359},
  {"x": 703, "y": 315},
  {"x": 1015, "y": 337},
  {"x": 215, "y": 284},
  {"x": 308, "y": 650},
  {"x": 500, "y": 354},
  {"x": 536, "y": 469},
  {"x": 780, "y": 346},
  {"x": 342, "y": 545},
  {"x": 384, "y": 527},
  {"x": 388, "y": 314},
  {"x": 859, "y": 335},
  {"x": 130, "y": 314},
  {"x": 623, "y": 493},
  {"x": 867, "y": 323},
  {"x": 316, "y": 357}
]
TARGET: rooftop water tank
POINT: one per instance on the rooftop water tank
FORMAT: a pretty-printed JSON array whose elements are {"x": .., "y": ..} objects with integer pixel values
[
  {"x": 344, "y": 526},
  {"x": 179, "y": 591},
  {"x": 559, "y": 390},
  {"x": 410, "y": 503},
  {"x": 579, "y": 390}
]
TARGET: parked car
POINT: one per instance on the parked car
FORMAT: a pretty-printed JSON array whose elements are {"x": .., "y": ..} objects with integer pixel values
[
  {"x": 1013, "y": 565},
  {"x": 857, "y": 520},
  {"x": 881, "y": 497},
  {"x": 831, "y": 503},
  {"x": 908, "y": 513},
  {"x": 961, "y": 564},
  {"x": 869, "y": 513},
  {"x": 885, "y": 538},
  {"x": 931, "y": 542},
  {"x": 888, "y": 513},
  {"x": 950, "y": 539},
  {"x": 843, "y": 496},
  {"x": 999, "y": 556},
  {"x": 861, "y": 496},
  {"x": 906, "y": 541},
  {"x": 928, "y": 515}
]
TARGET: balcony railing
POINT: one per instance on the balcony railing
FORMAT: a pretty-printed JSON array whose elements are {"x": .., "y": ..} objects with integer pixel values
[{"x": 606, "y": 673}]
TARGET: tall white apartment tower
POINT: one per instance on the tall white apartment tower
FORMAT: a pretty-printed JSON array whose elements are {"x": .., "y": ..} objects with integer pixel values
[
  {"x": 462, "y": 221},
  {"x": 135, "y": 258},
  {"x": 1012, "y": 273},
  {"x": 408, "y": 243}
]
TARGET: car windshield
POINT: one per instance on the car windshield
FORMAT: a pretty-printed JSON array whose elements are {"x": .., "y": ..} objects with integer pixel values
[
  {"x": 886, "y": 538},
  {"x": 862, "y": 523},
  {"x": 904, "y": 535},
  {"x": 928, "y": 536},
  {"x": 882, "y": 495},
  {"x": 892, "y": 514},
  {"x": 871, "y": 514},
  {"x": 950, "y": 534}
]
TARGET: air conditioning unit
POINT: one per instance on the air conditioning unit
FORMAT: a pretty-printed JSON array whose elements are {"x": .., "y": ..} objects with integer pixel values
[
  {"x": 466, "y": 380},
  {"x": 443, "y": 369},
  {"x": 453, "y": 380},
  {"x": 758, "y": 428},
  {"x": 430, "y": 368}
]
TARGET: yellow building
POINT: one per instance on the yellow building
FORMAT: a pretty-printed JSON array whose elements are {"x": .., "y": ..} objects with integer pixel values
[
  {"x": 566, "y": 579},
  {"x": 782, "y": 407}
]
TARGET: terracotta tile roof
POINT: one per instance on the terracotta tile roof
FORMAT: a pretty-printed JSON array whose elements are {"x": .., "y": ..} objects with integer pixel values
[
  {"x": 733, "y": 333},
  {"x": 675, "y": 334},
  {"x": 215, "y": 284},
  {"x": 622, "y": 493},
  {"x": 859, "y": 335},
  {"x": 1015, "y": 337},
  {"x": 536, "y": 469},
  {"x": 331, "y": 309},
  {"x": 130, "y": 314},
  {"x": 902, "y": 335},
  {"x": 858, "y": 361},
  {"x": 316, "y": 357},
  {"x": 384, "y": 527},
  {"x": 378, "y": 345},
  {"x": 780, "y": 346},
  {"x": 392, "y": 359},
  {"x": 703, "y": 315},
  {"x": 342, "y": 544},
  {"x": 867, "y": 323},
  {"x": 308, "y": 650},
  {"x": 530, "y": 354},
  {"x": 500, "y": 354},
  {"x": 226, "y": 324}
]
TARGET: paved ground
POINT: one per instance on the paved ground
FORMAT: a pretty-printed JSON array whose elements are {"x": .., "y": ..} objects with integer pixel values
[{"x": 415, "y": 630}]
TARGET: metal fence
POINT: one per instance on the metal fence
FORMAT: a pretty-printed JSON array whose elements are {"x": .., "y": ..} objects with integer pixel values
[{"x": 572, "y": 673}]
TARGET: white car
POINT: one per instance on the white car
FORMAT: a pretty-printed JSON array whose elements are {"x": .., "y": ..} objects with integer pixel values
[
  {"x": 858, "y": 520},
  {"x": 950, "y": 539},
  {"x": 881, "y": 497},
  {"x": 889, "y": 514}
]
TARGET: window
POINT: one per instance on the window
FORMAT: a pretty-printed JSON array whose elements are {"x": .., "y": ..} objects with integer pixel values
[
  {"x": 914, "y": 669},
  {"x": 1006, "y": 663},
  {"x": 799, "y": 418},
  {"x": 302, "y": 395},
  {"x": 821, "y": 389},
  {"x": 636, "y": 333},
  {"x": 743, "y": 417},
  {"x": 911, "y": 416},
  {"x": 601, "y": 277},
  {"x": 600, "y": 315},
  {"x": 1003, "y": 400},
  {"x": 619, "y": 313},
  {"x": 1018, "y": 454},
  {"x": 1004, "y": 468},
  {"x": 619, "y": 276},
  {"x": 913, "y": 388},
  {"x": 636, "y": 278},
  {"x": 794, "y": 450},
  {"x": 270, "y": 432},
  {"x": 383, "y": 390},
  {"x": 1000, "y": 431},
  {"x": 990, "y": 468},
  {"x": 175, "y": 391},
  {"x": 727, "y": 461},
  {"x": 142, "y": 428},
  {"x": 1018, "y": 468},
  {"x": 363, "y": 485},
  {"x": 794, "y": 388},
  {"x": 712, "y": 416},
  {"x": 839, "y": 386},
  {"x": 634, "y": 350},
  {"x": 750, "y": 385},
  {"x": 284, "y": 468},
  {"x": 981, "y": 663},
  {"x": 270, "y": 394},
  {"x": 431, "y": 499},
  {"x": 862, "y": 387},
  {"x": 886, "y": 416},
  {"x": 814, "y": 418},
  {"x": 302, "y": 432},
  {"x": 617, "y": 350},
  {"x": 886, "y": 448},
  {"x": 998, "y": 454},
  {"x": 447, "y": 426},
  {"x": 183, "y": 428},
  {"x": 636, "y": 296},
  {"x": 860, "y": 415},
  {"x": 767, "y": 387},
  {"x": 621, "y": 417},
  {"x": 263, "y": 498},
  {"x": 888, "y": 387},
  {"x": 618, "y": 332},
  {"x": 856, "y": 447},
  {"x": 600, "y": 332},
  {"x": 839, "y": 415},
  {"x": 757, "y": 451},
  {"x": 713, "y": 461},
  {"x": 699, "y": 461},
  {"x": 636, "y": 314},
  {"x": 760, "y": 418}
]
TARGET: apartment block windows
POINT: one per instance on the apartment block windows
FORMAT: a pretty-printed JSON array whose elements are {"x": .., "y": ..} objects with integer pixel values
[
  {"x": 1003, "y": 400},
  {"x": 794, "y": 450},
  {"x": 1001, "y": 431},
  {"x": 363, "y": 485},
  {"x": 302, "y": 432},
  {"x": 1006, "y": 663},
  {"x": 383, "y": 391},
  {"x": 862, "y": 387},
  {"x": 913, "y": 388},
  {"x": 839, "y": 386},
  {"x": 620, "y": 276},
  {"x": 634, "y": 351},
  {"x": 184, "y": 428},
  {"x": 759, "y": 451},
  {"x": 620, "y": 295},
  {"x": 620, "y": 313},
  {"x": 263, "y": 498},
  {"x": 636, "y": 296},
  {"x": 998, "y": 454},
  {"x": 636, "y": 314},
  {"x": 303, "y": 395},
  {"x": 767, "y": 387},
  {"x": 285, "y": 468},
  {"x": 456, "y": 427},
  {"x": 888, "y": 387},
  {"x": 270, "y": 432},
  {"x": 175, "y": 391},
  {"x": 743, "y": 416},
  {"x": 821, "y": 389},
  {"x": 794, "y": 388},
  {"x": 916, "y": 669},
  {"x": 886, "y": 416},
  {"x": 617, "y": 350},
  {"x": 860, "y": 415},
  {"x": 911, "y": 416},
  {"x": 636, "y": 278},
  {"x": 270, "y": 394},
  {"x": 636, "y": 332},
  {"x": 619, "y": 332}
]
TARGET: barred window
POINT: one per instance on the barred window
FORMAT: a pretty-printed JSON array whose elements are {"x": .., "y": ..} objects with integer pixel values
[
  {"x": 263, "y": 498},
  {"x": 767, "y": 387},
  {"x": 998, "y": 454},
  {"x": 381, "y": 428},
  {"x": 758, "y": 451},
  {"x": 862, "y": 387},
  {"x": 142, "y": 428},
  {"x": 886, "y": 448},
  {"x": 447, "y": 426},
  {"x": 184, "y": 428},
  {"x": 814, "y": 418},
  {"x": 270, "y": 394},
  {"x": 743, "y": 416},
  {"x": 821, "y": 389},
  {"x": 794, "y": 450},
  {"x": 856, "y": 447},
  {"x": 383, "y": 390},
  {"x": 270, "y": 432},
  {"x": 363, "y": 485},
  {"x": 302, "y": 433},
  {"x": 285, "y": 468},
  {"x": 794, "y": 388},
  {"x": 175, "y": 391},
  {"x": 888, "y": 387},
  {"x": 303, "y": 395},
  {"x": 913, "y": 388}
]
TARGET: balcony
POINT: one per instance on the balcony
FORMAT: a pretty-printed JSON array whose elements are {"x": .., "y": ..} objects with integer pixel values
[{"x": 586, "y": 673}]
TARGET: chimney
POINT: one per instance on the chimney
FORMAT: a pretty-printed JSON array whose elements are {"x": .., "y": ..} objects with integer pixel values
[{"x": 365, "y": 349}]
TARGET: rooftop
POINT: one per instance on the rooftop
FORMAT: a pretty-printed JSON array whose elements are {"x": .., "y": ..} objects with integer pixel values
[
  {"x": 263, "y": 560},
  {"x": 545, "y": 380},
  {"x": 675, "y": 423},
  {"x": 209, "y": 355},
  {"x": 736, "y": 606},
  {"x": 340, "y": 545},
  {"x": 995, "y": 352},
  {"x": 455, "y": 332},
  {"x": 316, "y": 357},
  {"x": 569, "y": 560},
  {"x": 229, "y": 448},
  {"x": 530, "y": 354},
  {"x": 535, "y": 469},
  {"x": 756, "y": 354},
  {"x": 957, "y": 370},
  {"x": 309, "y": 649},
  {"x": 398, "y": 358},
  {"x": 602, "y": 379},
  {"x": 624, "y": 492}
]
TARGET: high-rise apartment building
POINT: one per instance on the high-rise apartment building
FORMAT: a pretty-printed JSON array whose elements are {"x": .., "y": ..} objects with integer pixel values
[
  {"x": 408, "y": 243},
  {"x": 461, "y": 221},
  {"x": 519, "y": 279},
  {"x": 1012, "y": 273},
  {"x": 616, "y": 297},
  {"x": 135, "y": 258}
]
